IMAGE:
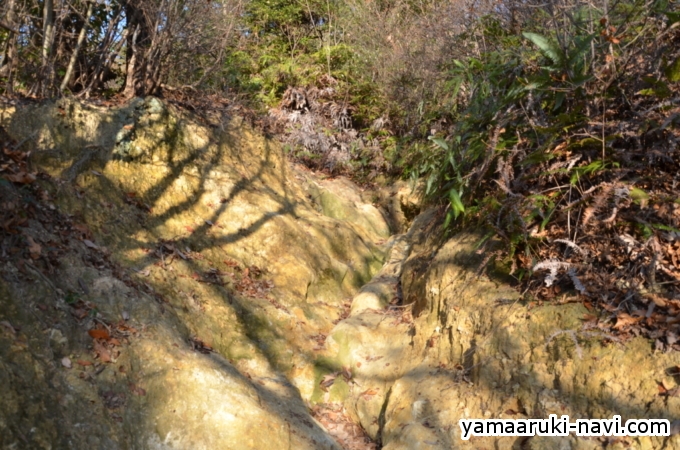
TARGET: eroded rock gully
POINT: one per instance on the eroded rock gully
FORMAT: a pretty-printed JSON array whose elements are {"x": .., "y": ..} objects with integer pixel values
[{"x": 193, "y": 289}]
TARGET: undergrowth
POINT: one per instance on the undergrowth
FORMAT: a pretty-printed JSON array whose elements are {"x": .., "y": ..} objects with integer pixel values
[{"x": 565, "y": 145}]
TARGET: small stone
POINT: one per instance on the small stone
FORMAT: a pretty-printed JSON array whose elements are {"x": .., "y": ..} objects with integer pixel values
[
  {"x": 154, "y": 105},
  {"x": 66, "y": 362},
  {"x": 123, "y": 134}
]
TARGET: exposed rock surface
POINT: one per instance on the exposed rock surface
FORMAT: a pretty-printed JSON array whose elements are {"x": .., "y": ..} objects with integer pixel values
[
  {"x": 195, "y": 290},
  {"x": 224, "y": 248},
  {"x": 477, "y": 351}
]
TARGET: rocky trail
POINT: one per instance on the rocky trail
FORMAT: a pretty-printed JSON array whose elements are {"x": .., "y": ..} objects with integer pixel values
[{"x": 170, "y": 281}]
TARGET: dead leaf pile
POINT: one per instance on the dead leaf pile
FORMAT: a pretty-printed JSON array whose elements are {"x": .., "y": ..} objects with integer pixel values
[
  {"x": 320, "y": 340},
  {"x": 107, "y": 340},
  {"x": 606, "y": 232},
  {"x": 211, "y": 276},
  {"x": 14, "y": 162},
  {"x": 167, "y": 250},
  {"x": 348, "y": 434},
  {"x": 23, "y": 199},
  {"x": 252, "y": 284},
  {"x": 345, "y": 310}
]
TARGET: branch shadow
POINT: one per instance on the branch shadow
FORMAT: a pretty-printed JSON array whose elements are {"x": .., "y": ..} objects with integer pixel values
[{"x": 104, "y": 195}]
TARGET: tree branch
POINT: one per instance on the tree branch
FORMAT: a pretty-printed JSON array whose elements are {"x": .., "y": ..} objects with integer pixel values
[{"x": 8, "y": 27}]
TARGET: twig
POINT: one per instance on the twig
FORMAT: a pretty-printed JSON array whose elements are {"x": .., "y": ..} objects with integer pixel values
[{"x": 23, "y": 141}]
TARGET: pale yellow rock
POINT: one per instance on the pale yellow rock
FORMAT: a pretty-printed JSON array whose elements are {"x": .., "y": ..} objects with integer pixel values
[
  {"x": 501, "y": 356},
  {"x": 457, "y": 346},
  {"x": 214, "y": 193}
]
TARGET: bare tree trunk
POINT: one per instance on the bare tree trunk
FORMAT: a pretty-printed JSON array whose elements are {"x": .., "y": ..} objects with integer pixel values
[
  {"x": 139, "y": 44},
  {"x": 79, "y": 44},
  {"x": 7, "y": 26},
  {"x": 45, "y": 78},
  {"x": 130, "y": 78},
  {"x": 48, "y": 29},
  {"x": 44, "y": 36},
  {"x": 9, "y": 56}
]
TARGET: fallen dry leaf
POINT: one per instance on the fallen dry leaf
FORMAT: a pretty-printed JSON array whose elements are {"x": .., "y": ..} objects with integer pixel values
[
  {"x": 8, "y": 326},
  {"x": 339, "y": 425},
  {"x": 667, "y": 385},
  {"x": 21, "y": 177},
  {"x": 346, "y": 373},
  {"x": 103, "y": 353},
  {"x": 589, "y": 318},
  {"x": 624, "y": 320},
  {"x": 33, "y": 248},
  {"x": 658, "y": 300},
  {"x": 366, "y": 395},
  {"x": 327, "y": 381},
  {"x": 99, "y": 334},
  {"x": 82, "y": 228},
  {"x": 137, "y": 390},
  {"x": 674, "y": 392},
  {"x": 83, "y": 363},
  {"x": 90, "y": 244},
  {"x": 80, "y": 313}
]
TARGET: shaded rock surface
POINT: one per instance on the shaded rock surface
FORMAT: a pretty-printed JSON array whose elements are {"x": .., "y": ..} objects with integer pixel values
[{"x": 228, "y": 264}]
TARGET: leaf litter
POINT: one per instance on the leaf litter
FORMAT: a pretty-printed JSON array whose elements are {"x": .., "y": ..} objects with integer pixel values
[
  {"x": 339, "y": 425},
  {"x": 606, "y": 234}
]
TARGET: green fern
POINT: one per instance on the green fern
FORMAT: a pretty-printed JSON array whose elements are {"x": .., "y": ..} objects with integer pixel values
[{"x": 548, "y": 48}]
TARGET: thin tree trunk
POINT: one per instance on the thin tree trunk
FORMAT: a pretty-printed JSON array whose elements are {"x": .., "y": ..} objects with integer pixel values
[
  {"x": 6, "y": 25},
  {"x": 9, "y": 56},
  {"x": 130, "y": 78},
  {"x": 139, "y": 48},
  {"x": 48, "y": 31},
  {"x": 79, "y": 44}
]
